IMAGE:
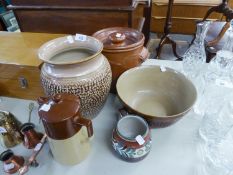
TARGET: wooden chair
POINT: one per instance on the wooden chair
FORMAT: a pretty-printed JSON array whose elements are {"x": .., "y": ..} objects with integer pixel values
[{"x": 218, "y": 30}]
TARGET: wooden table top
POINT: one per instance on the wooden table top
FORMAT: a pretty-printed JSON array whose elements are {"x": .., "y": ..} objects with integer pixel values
[
  {"x": 196, "y": 2},
  {"x": 21, "y": 48}
]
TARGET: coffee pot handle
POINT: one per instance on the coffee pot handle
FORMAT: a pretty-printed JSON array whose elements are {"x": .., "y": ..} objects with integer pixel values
[
  {"x": 42, "y": 100},
  {"x": 87, "y": 123}
]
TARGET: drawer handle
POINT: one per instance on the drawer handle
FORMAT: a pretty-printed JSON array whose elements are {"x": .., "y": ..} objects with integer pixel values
[{"x": 23, "y": 82}]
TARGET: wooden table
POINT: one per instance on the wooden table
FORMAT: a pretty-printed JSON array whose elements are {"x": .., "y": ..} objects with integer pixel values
[{"x": 173, "y": 148}]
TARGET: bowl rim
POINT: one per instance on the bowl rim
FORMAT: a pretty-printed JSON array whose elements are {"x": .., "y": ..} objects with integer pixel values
[
  {"x": 150, "y": 116},
  {"x": 48, "y": 43}
]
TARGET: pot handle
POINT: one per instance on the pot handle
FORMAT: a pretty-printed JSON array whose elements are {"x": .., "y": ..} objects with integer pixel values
[
  {"x": 42, "y": 100},
  {"x": 85, "y": 122},
  {"x": 143, "y": 55},
  {"x": 122, "y": 112}
]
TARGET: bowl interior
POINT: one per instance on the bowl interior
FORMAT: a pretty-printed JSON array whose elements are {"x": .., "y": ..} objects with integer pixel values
[
  {"x": 131, "y": 126},
  {"x": 152, "y": 92},
  {"x": 69, "y": 50}
]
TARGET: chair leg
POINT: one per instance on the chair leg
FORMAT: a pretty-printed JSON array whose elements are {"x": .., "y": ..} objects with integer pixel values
[{"x": 220, "y": 35}]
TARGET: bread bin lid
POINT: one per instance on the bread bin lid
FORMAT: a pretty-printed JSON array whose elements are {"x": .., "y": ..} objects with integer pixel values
[
  {"x": 58, "y": 114},
  {"x": 120, "y": 38}
]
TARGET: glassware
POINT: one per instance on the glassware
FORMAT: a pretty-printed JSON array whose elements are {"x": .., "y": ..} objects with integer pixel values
[
  {"x": 195, "y": 57},
  {"x": 215, "y": 148},
  {"x": 217, "y": 122},
  {"x": 218, "y": 77},
  {"x": 220, "y": 69},
  {"x": 194, "y": 60},
  {"x": 229, "y": 44},
  {"x": 216, "y": 129}
]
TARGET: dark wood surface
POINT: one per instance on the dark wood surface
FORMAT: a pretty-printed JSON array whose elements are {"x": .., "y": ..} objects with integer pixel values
[
  {"x": 86, "y": 17},
  {"x": 184, "y": 16},
  {"x": 70, "y": 22},
  {"x": 166, "y": 32},
  {"x": 223, "y": 9},
  {"x": 1, "y": 26},
  {"x": 74, "y": 2}
]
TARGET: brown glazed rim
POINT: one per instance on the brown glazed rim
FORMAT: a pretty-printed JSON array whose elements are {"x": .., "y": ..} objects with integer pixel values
[
  {"x": 122, "y": 48},
  {"x": 71, "y": 62},
  {"x": 150, "y": 117},
  {"x": 131, "y": 143}
]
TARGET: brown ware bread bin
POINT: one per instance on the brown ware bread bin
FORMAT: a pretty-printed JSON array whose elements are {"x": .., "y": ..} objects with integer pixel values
[{"x": 123, "y": 48}]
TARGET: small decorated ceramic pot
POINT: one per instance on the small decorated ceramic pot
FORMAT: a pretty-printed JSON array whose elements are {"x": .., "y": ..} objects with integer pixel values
[{"x": 131, "y": 138}]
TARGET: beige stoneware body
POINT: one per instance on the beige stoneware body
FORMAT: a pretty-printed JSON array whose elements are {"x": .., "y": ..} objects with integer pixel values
[
  {"x": 73, "y": 150},
  {"x": 87, "y": 75}
]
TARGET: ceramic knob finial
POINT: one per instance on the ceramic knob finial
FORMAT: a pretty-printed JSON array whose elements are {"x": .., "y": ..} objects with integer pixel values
[{"x": 117, "y": 37}]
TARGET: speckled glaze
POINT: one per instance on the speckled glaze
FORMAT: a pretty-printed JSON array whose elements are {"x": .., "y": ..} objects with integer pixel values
[{"x": 89, "y": 78}]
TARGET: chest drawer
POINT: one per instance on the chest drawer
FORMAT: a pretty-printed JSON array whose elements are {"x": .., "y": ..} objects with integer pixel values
[
  {"x": 20, "y": 81},
  {"x": 184, "y": 16},
  {"x": 183, "y": 10}
]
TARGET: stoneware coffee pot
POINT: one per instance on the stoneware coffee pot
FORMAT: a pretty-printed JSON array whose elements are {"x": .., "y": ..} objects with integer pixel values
[{"x": 68, "y": 132}]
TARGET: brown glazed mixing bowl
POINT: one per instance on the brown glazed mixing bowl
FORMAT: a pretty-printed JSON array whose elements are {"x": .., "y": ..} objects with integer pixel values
[{"x": 160, "y": 95}]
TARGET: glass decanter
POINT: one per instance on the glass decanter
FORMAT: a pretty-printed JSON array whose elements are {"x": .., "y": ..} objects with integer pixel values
[
  {"x": 218, "y": 77},
  {"x": 195, "y": 57},
  {"x": 217, "y": 125},
  {"x": 220, "y": 69}
]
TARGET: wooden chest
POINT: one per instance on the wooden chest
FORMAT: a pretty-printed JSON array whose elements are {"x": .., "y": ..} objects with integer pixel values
[
  {"x": 74, "y": 2},
  {"x": 76, "y": 16},
  {"x": 19, "y": 64}
]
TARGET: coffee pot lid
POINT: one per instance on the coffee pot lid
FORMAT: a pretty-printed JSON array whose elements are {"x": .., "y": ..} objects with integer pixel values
[
  {"x": 116, "y": 38},
  {"x": 58, "y": 108}
]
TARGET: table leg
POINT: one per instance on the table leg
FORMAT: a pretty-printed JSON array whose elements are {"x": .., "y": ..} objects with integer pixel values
[{"x": 167, "y": 28}]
